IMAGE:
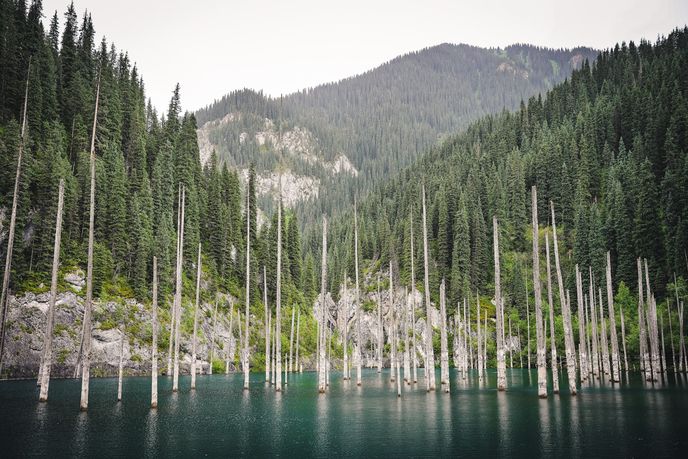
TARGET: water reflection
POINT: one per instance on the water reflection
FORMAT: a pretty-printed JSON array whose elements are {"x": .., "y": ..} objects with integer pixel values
[
  {"x": 322, "y": 425},
  {"x": 152, "y": 432}
]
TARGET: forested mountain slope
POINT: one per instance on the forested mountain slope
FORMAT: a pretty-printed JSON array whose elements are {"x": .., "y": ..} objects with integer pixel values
[
  {"x": 609, "y": 147},
  {"x": 339, "y": 139}
]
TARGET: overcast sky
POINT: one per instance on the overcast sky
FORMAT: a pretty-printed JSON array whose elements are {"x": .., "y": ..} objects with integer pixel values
[{"x": 212, "y": 47}]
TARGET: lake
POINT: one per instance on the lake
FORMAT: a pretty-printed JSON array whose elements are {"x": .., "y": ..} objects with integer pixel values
[{"x": 220, "y": 419}]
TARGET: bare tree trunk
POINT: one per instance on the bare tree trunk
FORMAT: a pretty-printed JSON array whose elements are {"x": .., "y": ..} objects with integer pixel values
[
  {"x": 582, "y": 340},
  {"x": 553, "y": 345},
  {"x": 407, "y": 362},
  {"x": 345, "y": 329},
  {"x": 121, "y": 366},
  {"x": 644, "y": 356},
  {"x": 322, "y": 382},
  {"x": 444, "y": 357},
  {"x": 291, "y": 342},
  {"x": 623, "y": 338},
  {"x": 612, "y": 323},
  {"x": 194, "y": 341},
  {"x": 541, "y": 359},
  {"x": 46, "y": 364},
  {"x": 278, "y": 298},
  {"x": 520, "y": 354},
  {"x": 480, "y": 351},
  {"x": 298, "y": 328},
  {"x": 154, "y": 345},
  {"x": 501, "y": 364},
  {"x": 652, "y": 327},
  {"x": 392, "y": 330},
  {"x": 245, "y": 350},
  {"x": 569, "y": 345},
  {"x": 4, "y": 300},
  {"x": 671, "y": 337},
  {"x": 467, "y": 338},
  {"x": 429, "y": 352},
  {"x": 359, "y": 356},
  {"x": 593, "y": 323},
  {"x": 661, "y": 328},
  {"x": 381, "y": 331},
  {"x": 267, "y": 325},
  {"x": 511, "y": 356},
  {"x": 603, "y": 336},
  {"x": 173, "y": 309},
  {"x": 212, "y": 340},
  {"x": 413, "y": 307},
  {"x": 528, "y": 321},
  {"x": 178, "y": 294},
  {"x": 86, "y": 357},
  {"x": 229, "y": 355}
]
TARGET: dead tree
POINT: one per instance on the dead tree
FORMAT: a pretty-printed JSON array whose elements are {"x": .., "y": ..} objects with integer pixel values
[
  {"x": 501, "y": 364},
  {"x": 121, "y": 366},
  {"x": 267, "y": 325},
  {"x": 154, "y": 345},
  {"x": 46, "y": 364},
  {"x": 86, "y": 338},
  {"x": 245, "y": 350},
  {"x": 553, "y": 345},
  {"x": 582, "y": 340},
  {"x": 413, "y": 307},
  {"x": 540, "y": 337},
  {"x": 322, "y": 376},
  {"x": 612, "y": 323},
  {"x": 178, "y": 293},
  {"x": 359, "y": 356},
  {"x": 429, "y": 352},
  {"x": 194, "y": 341},
  {"x": 569, "y": 345},
  {"x": 444, "y": 353}
]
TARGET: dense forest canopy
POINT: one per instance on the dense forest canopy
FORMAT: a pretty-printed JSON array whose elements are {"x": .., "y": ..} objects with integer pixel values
[
  {"x": 608, "y": 146},
  {"x": 142, "y": 159}
]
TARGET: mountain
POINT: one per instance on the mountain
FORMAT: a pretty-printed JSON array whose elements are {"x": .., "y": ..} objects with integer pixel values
[
  {"x": 609, "y": 148},
  {"x": 339, "y": 139}
]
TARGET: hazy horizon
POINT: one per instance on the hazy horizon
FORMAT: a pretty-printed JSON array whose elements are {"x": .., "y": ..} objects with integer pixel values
[{"x": 282, "y": 48}]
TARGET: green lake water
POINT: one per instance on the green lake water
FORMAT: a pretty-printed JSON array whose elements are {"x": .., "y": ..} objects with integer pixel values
[{"x": 220, "y": 419}]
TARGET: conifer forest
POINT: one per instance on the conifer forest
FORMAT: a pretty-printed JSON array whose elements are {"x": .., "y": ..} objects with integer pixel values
[{"x": 464, "y": 251}]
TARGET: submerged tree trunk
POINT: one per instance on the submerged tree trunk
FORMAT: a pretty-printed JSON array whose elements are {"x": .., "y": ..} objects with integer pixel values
[
  {"x": 4, "y": 300},
  {"x": 322, "y": 382},
  {"x": 86, "y": 338},
  {"x": 593, "y": 324},
  {"x": 429, "y": 352},
  {"x": 121, "y": 366},
  {"x": 652, "y": 327},
  {"x": 245, "y": 350},
  {"x": 278, "y": 298},
  {"x": 381, "y": 331},
  {"x": 359, "y": 357},
  {"x": 541, "y": 359},
  {"x": 173, "y": 309},
  {"x": 413, "y": 307},
  {"x": 291, "y": 342},
  {"x": 298, "y": 328},
  {"x": 603, "y": 335},
  {"x": 569, "y": 345},
  {"x": 612, "y": 323},
  {"x": 154, "y": 345},
  {"x": 46, "y": 363},
  {"x": 480, "y": 341},
  {"x": 582, "y": 340},
  {"x": 178, "y": 293},
  {"x": 194, "y": 341},
  {"x": 212, "y": 340},
  {"x": 623, "y": 337},
  {"x": 501, "y": 364},
  {"x": 528, "y": 322},
  {"x": 267, "y": 325},
  {"x": 444, "y": 357},
  {"x": 553, "y": 345},
  {"x": 644, "y": 356}
]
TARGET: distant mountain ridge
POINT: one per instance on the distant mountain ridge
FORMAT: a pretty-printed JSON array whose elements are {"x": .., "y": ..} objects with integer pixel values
[{"x": 342, "y": 137}]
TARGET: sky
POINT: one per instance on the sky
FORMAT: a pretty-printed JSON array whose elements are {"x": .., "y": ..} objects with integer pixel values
[{"x": 212, "y": 47}]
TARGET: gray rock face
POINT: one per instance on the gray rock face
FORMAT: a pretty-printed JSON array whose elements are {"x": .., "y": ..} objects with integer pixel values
[{"x": 26, "y": 322}]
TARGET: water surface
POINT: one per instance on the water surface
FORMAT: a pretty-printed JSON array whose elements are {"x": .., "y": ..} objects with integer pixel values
[{"x": 220, "y": 419}]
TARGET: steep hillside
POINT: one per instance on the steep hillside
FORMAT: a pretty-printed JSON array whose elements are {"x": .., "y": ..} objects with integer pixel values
[
  {"x": 609, "y": 147},
  {"x": 341, "y": 138}
]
